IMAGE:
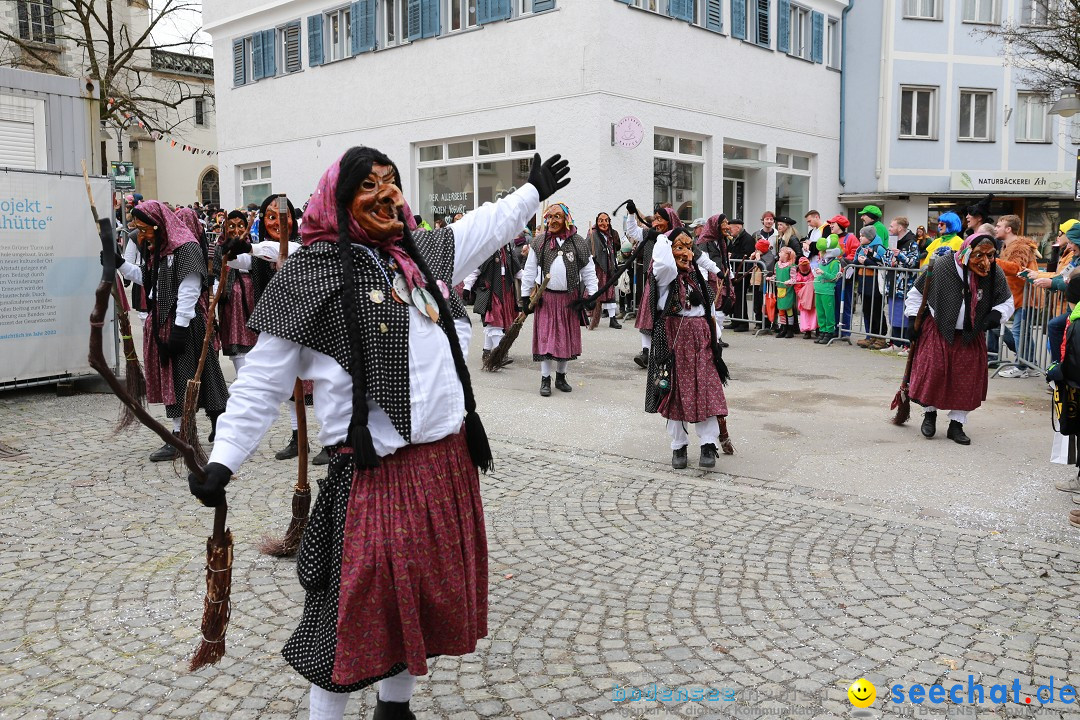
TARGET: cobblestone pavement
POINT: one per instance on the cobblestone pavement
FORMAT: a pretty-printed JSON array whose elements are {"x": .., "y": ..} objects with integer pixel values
[{"x": 605, "y": 572}]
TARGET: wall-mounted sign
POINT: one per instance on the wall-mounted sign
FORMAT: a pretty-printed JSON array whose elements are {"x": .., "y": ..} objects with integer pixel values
[
  {"x": 627, "y": 133},
  {"x": 123, "y": 174},
  {"x": 1051, "y": 183}
]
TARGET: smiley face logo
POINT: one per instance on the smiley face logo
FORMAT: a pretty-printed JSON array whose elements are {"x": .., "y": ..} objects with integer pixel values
[{"x": 862, "y": 693}]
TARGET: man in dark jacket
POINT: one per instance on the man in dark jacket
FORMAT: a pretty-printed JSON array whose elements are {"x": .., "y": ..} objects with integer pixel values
[
  {"x": 741, "y": 248},
  {"x": 905, "y": 239}
]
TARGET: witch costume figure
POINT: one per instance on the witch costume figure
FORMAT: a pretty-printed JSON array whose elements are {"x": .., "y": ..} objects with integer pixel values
[
  {"x": 173, "y": 273},
  {"x": 604, "y": 244},
  {"x": 238, "y": 298},
  {"x": 394, "y": 556},
  {"x": 686, "y": 366},
  {"x": 495, "y": 287},
  {"x": 562, "y": 256},
  {"x": 664, "y": 219},
  {"x": 966, "y": 294}
]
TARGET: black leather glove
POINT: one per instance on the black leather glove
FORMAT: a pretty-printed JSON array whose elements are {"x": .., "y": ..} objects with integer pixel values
[
  {"x": 178, "y": 338},
  {"x": 118, "y": 258},
  {"x": 993, "y": 320},
  {"x": 211, "y": 491},
  {"x": 590, "y": 305},
  {"x": 550, "y": 176},
  {"x": 631, "y": 208},
  {"x": 236, "y": 246}
]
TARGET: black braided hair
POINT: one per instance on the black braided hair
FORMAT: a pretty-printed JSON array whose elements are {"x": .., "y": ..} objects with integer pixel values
[{"x": 354, "y": 167}]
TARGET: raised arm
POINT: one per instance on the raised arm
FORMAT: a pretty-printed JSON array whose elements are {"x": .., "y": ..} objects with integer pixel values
[
  {"x": 664, "y": 267},
  {"x": 480, "y": 233},
  {"x": 632, "y": 229}
]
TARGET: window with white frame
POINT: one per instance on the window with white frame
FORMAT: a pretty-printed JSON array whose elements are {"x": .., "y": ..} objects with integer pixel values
[
  {"x": 980, "y": 11},
  {"x": 35, "y": 18},
  {"x": 394, "y": 22},
  {"x": 650, "y": 5},
  {"x": 1035, "y": 13},
  {"x": 200, "y": 116},
  {"x": 679, "y": 172},
  {"x": 918, "y": 112},
  {"x": 254, "y": 183},
  {"x": 456, "y": 176},
  {"x": 337, "y": 42},
  {"x": 1032, "y": 121},
  {"x": 792, "y": 183},
  {"x": 287, "y": 51},
  {"x": 801, "y": 33},
  {"x": 249, "y": 69},
  {"x": 832, "y": 43},
  {"x": 462, "y": 14},
  {"x": 759, "y": 31},
  {"x": 976, "y": 115},
  {"x": 922, "y": 9}
]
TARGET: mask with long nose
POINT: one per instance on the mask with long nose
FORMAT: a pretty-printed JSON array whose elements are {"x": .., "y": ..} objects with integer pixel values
[{"x": 378, "y": 203}]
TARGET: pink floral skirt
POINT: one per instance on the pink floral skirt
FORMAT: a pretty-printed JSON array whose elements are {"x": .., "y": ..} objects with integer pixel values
[
  {"x": 948, "y": 376},
  {"x": 696, "y": 392},
  {"x": 556, "y": 328}
]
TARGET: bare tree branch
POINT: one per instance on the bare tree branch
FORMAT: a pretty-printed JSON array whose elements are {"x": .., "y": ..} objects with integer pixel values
[
  {"x": 1046, "y": 50},
  {"x": 113, "y": 42}
]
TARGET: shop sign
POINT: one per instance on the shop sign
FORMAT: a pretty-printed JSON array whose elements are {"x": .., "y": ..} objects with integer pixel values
[
  {"x": 450, "y": 203},
  {"x": 1010, "y": 182},
  {"x": 627, "y": 133}
]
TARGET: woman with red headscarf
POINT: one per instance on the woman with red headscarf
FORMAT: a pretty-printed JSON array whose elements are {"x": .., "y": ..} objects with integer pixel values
[
  {"x": 961, "y": 296},
  {"x": 394, "y": 556},
  {"x": 173, "y": 272}
]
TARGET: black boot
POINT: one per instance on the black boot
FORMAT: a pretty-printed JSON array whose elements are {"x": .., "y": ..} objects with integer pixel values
[
  {"x": 323, "y": 458},
  {"x": 561, "y": 384},
  {"x": 165, "y": 452},
  {"x": 545, "y": 386},
  {"x": 708, "y": 456},
  {"x": 614, "y": 322},
  {"x": 392, "y": 711},
  {"x": 213, "y": 427},
  {"x": 929, "y": 424},
  {"x": 806, "y": 335},
  {"x": 289, "y": 451},
  {"x": 956, "y": 433},
  {"x": 678, "y": 458},
  {"x": 642, "y": 360}
]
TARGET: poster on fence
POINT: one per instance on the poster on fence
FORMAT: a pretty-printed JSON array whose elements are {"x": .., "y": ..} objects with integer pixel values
[{"x": 49, "y": 269}]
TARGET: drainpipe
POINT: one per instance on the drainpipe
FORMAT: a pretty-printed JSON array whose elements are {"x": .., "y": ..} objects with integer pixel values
[
  {"x": 883, "y": 122},
  {"x": 843, "y": 87}
]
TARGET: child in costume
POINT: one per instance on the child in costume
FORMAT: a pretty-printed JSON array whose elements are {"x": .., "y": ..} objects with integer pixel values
[
  {"x": 804, "y": 293},
  {"x": 785, "y": 293},
  {"x": 826, "y": 275}
]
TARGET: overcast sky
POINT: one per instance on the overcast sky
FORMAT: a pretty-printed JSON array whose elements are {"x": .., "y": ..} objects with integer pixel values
[{"x": 178, "y": 26}]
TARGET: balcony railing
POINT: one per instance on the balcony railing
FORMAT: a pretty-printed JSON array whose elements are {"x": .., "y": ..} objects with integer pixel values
[{"x": 171, "y": 62}]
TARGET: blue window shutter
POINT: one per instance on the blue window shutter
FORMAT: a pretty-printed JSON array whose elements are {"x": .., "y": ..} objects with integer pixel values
[
  {"x": 818, "y": 49},
  {"x": 542, "y": 5},
  {"x": 257, "y": 56},
  {"x": 239, "y": 69},
  {"x": 314, "y": 40},
  {"x": 681, "y": 9},
  {"x": 362, "y": 22},
  {"x": 783, "y": 26},
  {"x": 269, "y": 59},
  {"x": 625, "y": 2},
  {"x": 430, "y": 18},
  {"x": 500, "y": 9},
  {"x": 738, "y": 19},
  {"x": 714, "y": 15},
  {"x": 416, "y": 26},
  {"x": 483, "y": 11}
]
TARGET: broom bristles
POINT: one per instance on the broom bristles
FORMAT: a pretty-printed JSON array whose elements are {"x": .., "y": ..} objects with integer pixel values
[
  {"x": 216, "y": 605},
  {"x": 902, "y": 405},
  {"x": 497, "y": 359},
  {"x": 288, "y": 545},
  {"x": 135, "y": 382},
  {"x": 189, "y": 430}
]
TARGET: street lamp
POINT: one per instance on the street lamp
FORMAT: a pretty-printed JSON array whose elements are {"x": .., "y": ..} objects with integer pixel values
[{"x": 1067, "y": 105}]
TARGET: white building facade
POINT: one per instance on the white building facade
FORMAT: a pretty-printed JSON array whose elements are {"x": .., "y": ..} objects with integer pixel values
[
  {"x": 712, "y": 105},
  {"x": 935, "y": 119}
]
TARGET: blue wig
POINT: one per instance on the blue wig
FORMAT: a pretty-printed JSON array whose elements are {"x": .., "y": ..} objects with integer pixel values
[{"x": 952, "y": 222}]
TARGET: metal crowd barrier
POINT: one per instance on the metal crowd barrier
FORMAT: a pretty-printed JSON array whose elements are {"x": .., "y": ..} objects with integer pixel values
[
  {"x": 872, "y": 303},
  {"x": 749, "y": 298},
  {"x": 1029, "y": 331}
]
